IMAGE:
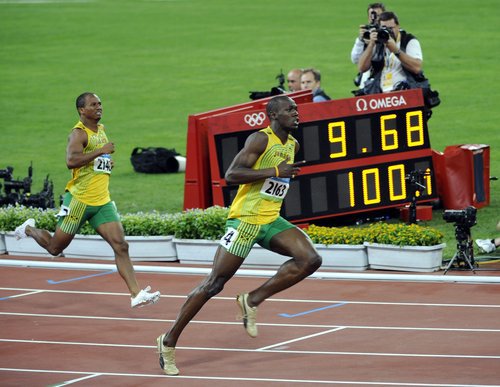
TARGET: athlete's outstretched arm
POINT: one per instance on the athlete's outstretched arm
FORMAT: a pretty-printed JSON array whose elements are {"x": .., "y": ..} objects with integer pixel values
[{"x": 240, "y": 171}]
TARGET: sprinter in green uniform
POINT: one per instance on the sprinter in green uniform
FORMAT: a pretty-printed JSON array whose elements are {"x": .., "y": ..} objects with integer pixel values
[
  {"x": 88, "y": 155},
  {"x": 263, "y": 168}
]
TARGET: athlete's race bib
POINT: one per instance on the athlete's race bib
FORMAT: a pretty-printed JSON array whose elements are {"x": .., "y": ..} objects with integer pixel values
[
  {"x": 229, "y": 237},
  {"x": 102, "y": 164},
  {"x": 275, "y": 188}
]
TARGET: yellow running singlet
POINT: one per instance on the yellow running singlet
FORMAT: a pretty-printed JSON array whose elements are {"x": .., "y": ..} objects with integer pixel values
[
  {"x": 89, "y": 184},
  {"x": 260, "y": 202}
]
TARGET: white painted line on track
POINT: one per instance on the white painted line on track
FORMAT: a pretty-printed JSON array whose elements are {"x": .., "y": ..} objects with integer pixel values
[
  {"x": 281, "y": 351},
  {"x": 68, "y": 382},
  {"x": 290, "y": 300},
  {"x": 321, "y": 326},
  {"x": 22, "y": 294},
  {"x": 224, "y": 378},
  {"x": 300, "y": 339},
  {"x": 255, "y": 273}
]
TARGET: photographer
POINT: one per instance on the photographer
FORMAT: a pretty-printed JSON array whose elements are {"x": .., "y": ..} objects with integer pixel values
[
  {"x": 393, "y": 57},
  {"x": 373, "y": 10}
]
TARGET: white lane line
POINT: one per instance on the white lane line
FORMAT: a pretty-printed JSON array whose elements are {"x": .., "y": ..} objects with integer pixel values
[
  {"x": 225, "y": 378},
  {"x": 72, "y": 381},
  {"x": 300, "y": 339},
  {"x": 287, "y": 352},
  {"x": 291, "y": 300},
  {"x": 21, "y": 295},
  {"x": 321, "y": 326}
]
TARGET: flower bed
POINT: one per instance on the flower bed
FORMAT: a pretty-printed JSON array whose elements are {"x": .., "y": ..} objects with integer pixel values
[{"x": 208, "y": 225}]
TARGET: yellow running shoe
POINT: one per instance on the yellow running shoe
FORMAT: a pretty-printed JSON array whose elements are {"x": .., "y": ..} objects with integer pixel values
[
  {"x": 167, "y": 357},
  {"x": 248, "y": 314}
]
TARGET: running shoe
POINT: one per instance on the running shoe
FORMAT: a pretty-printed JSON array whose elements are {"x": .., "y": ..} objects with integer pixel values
[
  {"x": 144, "y": 297},
  {"x": 248, "y": 314},
  {"x": 167, "y": 357},
  {"x": 486, "y": 245},
  {"x": 20, "y": 231}
]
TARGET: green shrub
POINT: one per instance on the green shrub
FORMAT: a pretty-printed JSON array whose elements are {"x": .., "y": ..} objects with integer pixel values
[
  {"x": 210, "y": 224},
  {"x": 335, "y": 235},
  {"x": 386, "y": 233},
  {"x": 201, "y": 224},
  {"x": 13, "y": 216},
  {"x": 403, "y": 234}
]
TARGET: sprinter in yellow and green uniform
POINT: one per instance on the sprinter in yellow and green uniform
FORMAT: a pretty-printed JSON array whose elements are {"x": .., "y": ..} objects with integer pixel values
[
  {"x": 88, "y": 155},
  {"x": 263, "y": 169}
]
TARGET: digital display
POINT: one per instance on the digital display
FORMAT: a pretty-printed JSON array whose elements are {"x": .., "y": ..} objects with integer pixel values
[
  {"x": 358, "y": 152},
  {"x": 344, "y": 138},
  {"x": 348, "y": 190}
]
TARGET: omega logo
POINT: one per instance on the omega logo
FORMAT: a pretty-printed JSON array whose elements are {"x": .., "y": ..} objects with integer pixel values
[
  {"x": 379, "y": 103},
  {"x": 255, "y": 118}
]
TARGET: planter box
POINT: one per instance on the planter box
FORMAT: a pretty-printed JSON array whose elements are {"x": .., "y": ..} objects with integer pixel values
[
  {"x": 202, "y": 252},
  {"x": 141, "y": 248},
  {"x": 405, "y": 258},
  {"x": 25, "y": 247},
  {"x": 343, "y": 257},
  {"x": 338, "y": 257},
  {"x": 150, "y": 248},
  {"x": 3, "y": 249}
]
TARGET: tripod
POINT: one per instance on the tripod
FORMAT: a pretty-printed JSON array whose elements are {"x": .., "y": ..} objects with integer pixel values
[{"x": 465, "y": 250}]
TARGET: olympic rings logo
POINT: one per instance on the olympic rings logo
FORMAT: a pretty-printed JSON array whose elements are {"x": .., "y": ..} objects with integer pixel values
[{"x": 255, "y": 118}]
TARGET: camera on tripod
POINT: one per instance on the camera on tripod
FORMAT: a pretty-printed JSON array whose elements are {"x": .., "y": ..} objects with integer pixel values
[
  {"x": 19, "y": 191},
  {"x": 463, "y": 220},
  {"x": 465, "y": 217},
  {"x": 277, "y": 90}
]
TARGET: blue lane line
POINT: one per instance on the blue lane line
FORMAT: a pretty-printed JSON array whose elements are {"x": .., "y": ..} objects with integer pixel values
[
  {"x": 52, "y": 282},
  {"x": 312, "y": 310}
]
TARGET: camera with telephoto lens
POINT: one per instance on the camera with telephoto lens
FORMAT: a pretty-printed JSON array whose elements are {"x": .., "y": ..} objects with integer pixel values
[
  {"x": 373, "y": 24},
  {"x": 465, "y": 217},
  {"x": 383, "y": 33},
  {"x": 277, "y": 90},
  {"x": 368, "y": 28}
]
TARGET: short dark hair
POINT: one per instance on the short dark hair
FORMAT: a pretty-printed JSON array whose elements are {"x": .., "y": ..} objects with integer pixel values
[
  {"x": 316, "y": 73},
  {"x": 388, "y": 15},
  {"x": 80, "y": 100},
  {"x": 376, "y": 5},
  {"x": 275, "y": 102}
]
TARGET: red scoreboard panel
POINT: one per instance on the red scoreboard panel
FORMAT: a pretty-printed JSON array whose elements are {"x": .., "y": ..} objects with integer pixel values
[
  {"x": 358, "y": 152},
  {"x": 197, "y": 183}
]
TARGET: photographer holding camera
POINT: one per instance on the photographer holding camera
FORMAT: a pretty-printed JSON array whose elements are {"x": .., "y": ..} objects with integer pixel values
[
  {"x": 373, "y": 10},
  {"x": 393, "y": 57}
]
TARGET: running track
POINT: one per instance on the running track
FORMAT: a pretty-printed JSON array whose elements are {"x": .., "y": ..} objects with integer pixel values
[{"x": 75, "y": 327}]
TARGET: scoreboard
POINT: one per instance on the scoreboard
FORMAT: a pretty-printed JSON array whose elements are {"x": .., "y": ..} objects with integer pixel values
[{"x": 358, "y": 151}]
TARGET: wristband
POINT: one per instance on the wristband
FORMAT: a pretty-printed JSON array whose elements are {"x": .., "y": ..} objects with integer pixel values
[
  {"x": 277, "y": 171},
  {"x": 397, "y": 53}
]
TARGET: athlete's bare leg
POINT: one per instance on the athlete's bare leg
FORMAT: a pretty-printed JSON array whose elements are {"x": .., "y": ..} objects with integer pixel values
[
  {"x": 305, "y": 261},
  {"x": 54, "y": 244},
  {"x": 224, "y": 268},
  {"x": 112, "y": 232}
]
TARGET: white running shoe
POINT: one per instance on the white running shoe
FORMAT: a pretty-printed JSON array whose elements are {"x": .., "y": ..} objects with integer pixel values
[
  {"x": 20, "y": 231},
  {"x": 486, "y": 245},
  {"x": 144, "y": 298}
]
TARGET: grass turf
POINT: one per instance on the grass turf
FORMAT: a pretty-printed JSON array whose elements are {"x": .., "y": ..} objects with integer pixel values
[{"x": 154, "y": 62}]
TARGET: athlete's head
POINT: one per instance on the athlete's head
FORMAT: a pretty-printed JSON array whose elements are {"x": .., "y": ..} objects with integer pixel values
[
  {"x": 282, "y": 111},
  {"x": 89, "y": 105}
]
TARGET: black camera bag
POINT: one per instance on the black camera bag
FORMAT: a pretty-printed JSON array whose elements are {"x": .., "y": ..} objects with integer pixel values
[{"x": 154, "y": 160}]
